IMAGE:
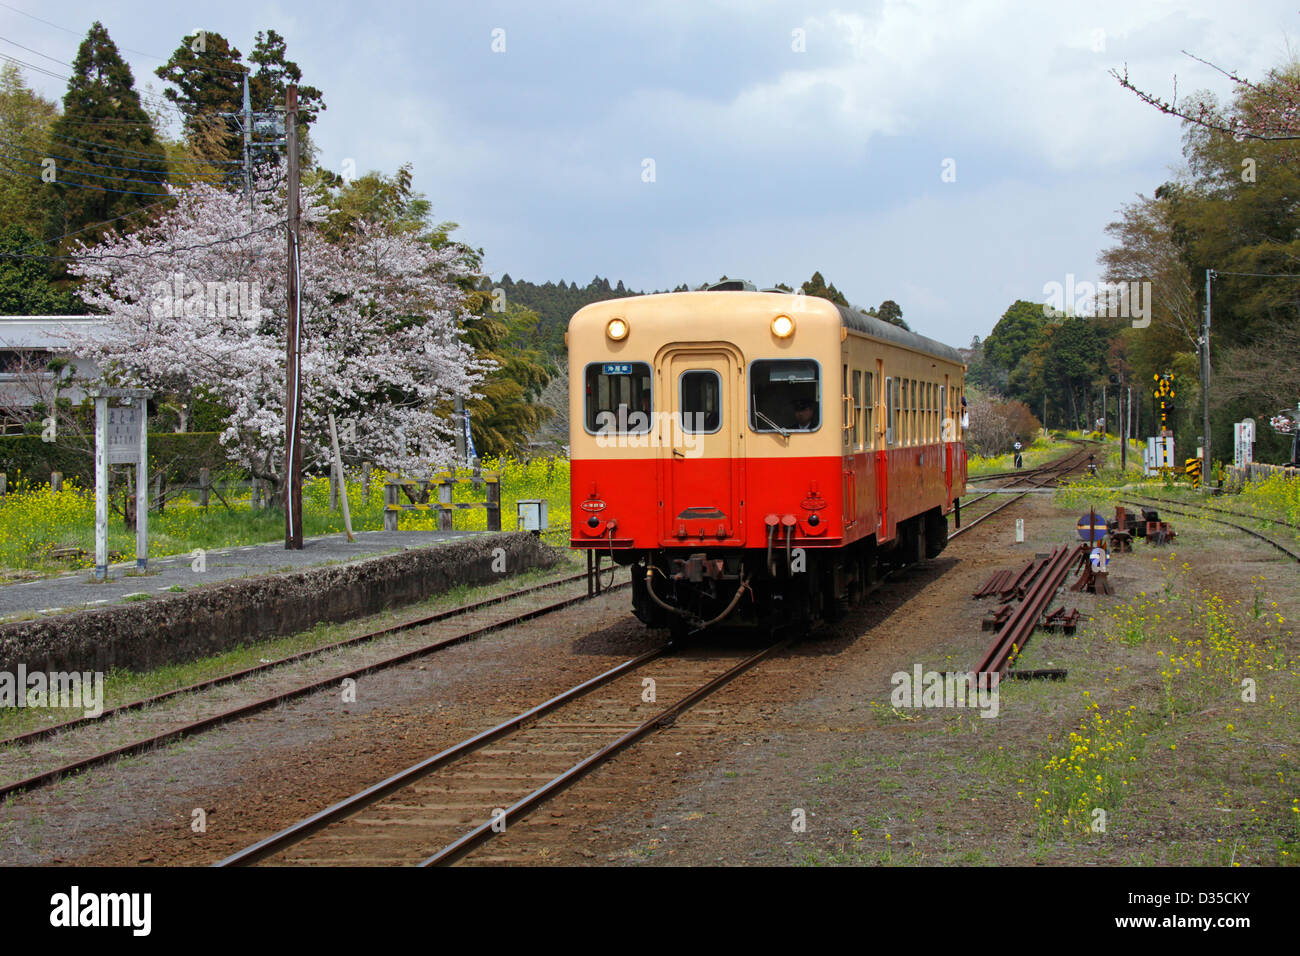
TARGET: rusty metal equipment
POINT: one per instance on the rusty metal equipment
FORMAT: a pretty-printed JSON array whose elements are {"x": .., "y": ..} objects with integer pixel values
[{"x": 1020, "y": 624}]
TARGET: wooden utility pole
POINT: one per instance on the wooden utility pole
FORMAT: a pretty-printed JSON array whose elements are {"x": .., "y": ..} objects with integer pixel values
[{"x": 293, "y": 344}]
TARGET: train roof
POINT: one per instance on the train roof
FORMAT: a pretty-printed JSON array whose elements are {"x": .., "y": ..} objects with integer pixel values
[
  {"x": 880, "y": 329},
  {"x": 849, "y": 318}
]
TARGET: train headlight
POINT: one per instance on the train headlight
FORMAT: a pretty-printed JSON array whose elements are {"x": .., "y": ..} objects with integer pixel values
[
  {"x": 783, "y": 326},
  {"x": 617, "y": 329}
]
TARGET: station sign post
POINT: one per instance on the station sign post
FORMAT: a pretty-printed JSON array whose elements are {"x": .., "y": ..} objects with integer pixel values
[{"x": 121, "y": 438}]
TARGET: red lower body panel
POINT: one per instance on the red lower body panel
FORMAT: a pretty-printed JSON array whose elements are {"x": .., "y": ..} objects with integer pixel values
[{"x": 649, "y": 504}]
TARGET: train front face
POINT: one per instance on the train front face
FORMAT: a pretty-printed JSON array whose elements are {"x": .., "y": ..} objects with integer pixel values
[{"x": 705, "y": 447}]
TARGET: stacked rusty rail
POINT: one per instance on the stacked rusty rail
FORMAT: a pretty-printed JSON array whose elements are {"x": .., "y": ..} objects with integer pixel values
[
  {"x": 1009, "y": 584},
  {"x": 1015, "y": 631}
]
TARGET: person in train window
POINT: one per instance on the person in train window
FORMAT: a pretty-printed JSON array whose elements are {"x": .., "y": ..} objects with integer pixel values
[{"x": 804, "y": 413}]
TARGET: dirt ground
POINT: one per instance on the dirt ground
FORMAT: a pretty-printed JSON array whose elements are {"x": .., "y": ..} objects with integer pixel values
[{"x": 801, "y": 761}]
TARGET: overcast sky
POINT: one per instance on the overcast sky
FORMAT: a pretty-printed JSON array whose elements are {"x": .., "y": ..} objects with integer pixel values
[{"x": 769, "y": 161}]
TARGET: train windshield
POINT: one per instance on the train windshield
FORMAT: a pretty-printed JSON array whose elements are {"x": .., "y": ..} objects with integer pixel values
[
  {"x": 784, "y": 395},
  {"x": 618, "y": 398}
]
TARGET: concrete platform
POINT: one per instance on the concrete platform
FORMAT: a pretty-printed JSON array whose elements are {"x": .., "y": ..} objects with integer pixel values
[
  {"x": 79, "y": 590},
  {"x": 244, "y": 595}
]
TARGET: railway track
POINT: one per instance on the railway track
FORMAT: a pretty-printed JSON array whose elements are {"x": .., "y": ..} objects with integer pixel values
[
  {"x": 1293, "y": 555},
  {"x": 441, "y": 809},
  {"x": 1044, "y": 475},
  {"x": 447, "y": 628}
]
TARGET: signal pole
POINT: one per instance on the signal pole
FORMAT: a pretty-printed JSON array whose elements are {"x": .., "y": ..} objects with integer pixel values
[
  {"x": 1205, "y": 382},
  {"x": 293, "y": 344}
]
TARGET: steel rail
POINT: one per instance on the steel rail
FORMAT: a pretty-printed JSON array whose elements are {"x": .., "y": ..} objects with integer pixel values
[
  {"x": 1063, "y": 465},
  {"x": 1222, "y": 511},
  {"x": 34, "y": 735},
  {"x": 485, "y": 831},
  {"x": 1231, "y": 524},
  {"x": 351, "y": 805},
  {"x": 1015, "y": 633},
  {"x": 38, "y": 780}
]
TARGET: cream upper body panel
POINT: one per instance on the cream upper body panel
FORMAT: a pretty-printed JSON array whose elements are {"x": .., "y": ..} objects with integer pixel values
[
  {"x": 721, "y": 328},
  {"x": 730, "y": 330}
]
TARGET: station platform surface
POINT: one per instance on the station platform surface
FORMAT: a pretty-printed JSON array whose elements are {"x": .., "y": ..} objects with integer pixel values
[{"x": 79, "y": 590}]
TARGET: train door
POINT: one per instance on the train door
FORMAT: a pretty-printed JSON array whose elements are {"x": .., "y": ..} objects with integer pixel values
[
  {"x": 888, "y": 419},
  {"x": 847, "y": 425},
  {"x": 946, "y": 436},
  {"x": 701, "y": 460}
]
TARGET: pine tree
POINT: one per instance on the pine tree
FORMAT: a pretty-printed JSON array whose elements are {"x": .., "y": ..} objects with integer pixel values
[
  {"x": 275, "y": 75},
  {"x": 108, "y": 158},
  {"x": 206, "y": 71}
]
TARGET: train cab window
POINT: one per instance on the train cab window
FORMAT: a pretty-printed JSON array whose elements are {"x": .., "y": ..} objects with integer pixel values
[
  {"x": 857, "y": 411},
  {"x": 618, "y": 399},
  {"x": 701, "y": 402},
  {"x": 784, "y": 395}
]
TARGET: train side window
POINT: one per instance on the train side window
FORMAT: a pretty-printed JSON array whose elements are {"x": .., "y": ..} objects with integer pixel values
[
  {"x": 846, "y": 411},
  {"x": 905, "y": 404},
  {"x": 869, "y": 415},
  {"x": 888, "y": 397},
  {"x": 909, "y": 403},
  {"x": 929, "y": 412},
  {"x": 913, "y": 426},
  {"x": 944, "y": 414},
  {"x": 618, "y": 399},
  {"x": 916, "y": 415},
  {"x": 889, "y": 411},
  {"x": 857, "y": 411},
  {"x": 785, "y": 395},
  {"x": 701, "y": 402}
]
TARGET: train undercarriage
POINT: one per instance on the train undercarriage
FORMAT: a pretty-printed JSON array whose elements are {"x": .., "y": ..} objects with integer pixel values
[{"x": 689, "y": 590}]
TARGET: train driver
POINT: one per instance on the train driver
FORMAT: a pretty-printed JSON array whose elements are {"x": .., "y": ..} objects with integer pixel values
[{"x": 804, "y": 413}]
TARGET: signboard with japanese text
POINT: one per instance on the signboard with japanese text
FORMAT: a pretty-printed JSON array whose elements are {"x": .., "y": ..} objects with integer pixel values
[{"x": 124, "y": 435}]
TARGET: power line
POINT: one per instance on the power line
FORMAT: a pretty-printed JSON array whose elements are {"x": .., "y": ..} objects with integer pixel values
[
  {"x": 94, "y": 225},
  {"x": 131, "y": 152},
  {"x": 152, "y": 100},
  {"x": 90, "y": 255},
  {"x": 59, "y": 180},
  {"x": 37, "y": 52},
  {"x": 1264, "y": 275},
  {"x": 85, "y": 162},
  {"x": 99, "y": 189},
  {"x": 32, "y": 66},
  {"x": 126, "y": 49}
]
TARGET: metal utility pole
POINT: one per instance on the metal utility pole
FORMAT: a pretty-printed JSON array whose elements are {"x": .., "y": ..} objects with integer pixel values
[
  {"x": 1123, "y": 429},
  {"x": 248, "y": 144},
  {"x": 1205, "y": 382},
  {"x": 293, "y": 344}
]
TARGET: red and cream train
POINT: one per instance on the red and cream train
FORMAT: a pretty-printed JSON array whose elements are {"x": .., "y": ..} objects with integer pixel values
[{"x": 757, "y": 456}]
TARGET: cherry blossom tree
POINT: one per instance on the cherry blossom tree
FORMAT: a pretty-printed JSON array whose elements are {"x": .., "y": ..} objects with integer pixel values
[
  {"x": 196, "y": 306},
  {"x": 1267, "y": 110}
]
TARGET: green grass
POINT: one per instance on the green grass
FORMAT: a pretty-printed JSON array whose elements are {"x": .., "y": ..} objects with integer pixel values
[
  {"x": 1041, "y": 451},
  {"x": 35, "y": 521}
]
